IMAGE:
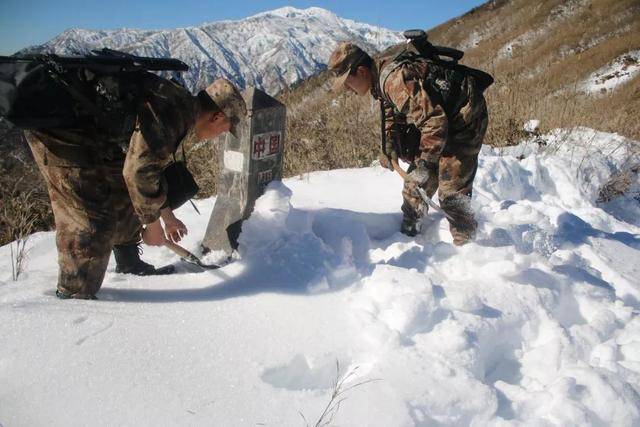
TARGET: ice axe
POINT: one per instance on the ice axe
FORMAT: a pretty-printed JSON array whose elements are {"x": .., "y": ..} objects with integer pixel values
[
  {"x": 423, "y": 194},
  {"x": 188, "y": 256}
]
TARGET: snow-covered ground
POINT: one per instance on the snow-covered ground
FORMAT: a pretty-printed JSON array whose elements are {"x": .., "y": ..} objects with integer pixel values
[
  {"x": 535, "y": 323},
  {"x": 619, "y": 71}
]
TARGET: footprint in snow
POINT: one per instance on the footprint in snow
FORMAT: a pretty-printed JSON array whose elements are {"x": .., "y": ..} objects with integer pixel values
[{"x": 303, "y": 373}]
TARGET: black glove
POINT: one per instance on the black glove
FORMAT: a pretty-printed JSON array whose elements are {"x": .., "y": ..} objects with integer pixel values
[{"x": 421, "y": 173}]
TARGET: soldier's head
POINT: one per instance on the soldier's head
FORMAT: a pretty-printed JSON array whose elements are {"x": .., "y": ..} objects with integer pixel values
[
  {"x": 221, "y": 109},
  {"x": 352, "y": 68}
]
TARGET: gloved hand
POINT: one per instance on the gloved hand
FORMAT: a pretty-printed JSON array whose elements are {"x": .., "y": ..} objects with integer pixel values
[{"x": 420, "y": 174}]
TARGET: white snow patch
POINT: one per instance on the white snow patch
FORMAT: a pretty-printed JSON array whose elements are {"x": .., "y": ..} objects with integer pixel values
[
  {"x": 534, "y": 323},
  {"x": 531, "y": 126},
  {"x": 608, "y": 78},
  {"x": 473, "y": 39}
]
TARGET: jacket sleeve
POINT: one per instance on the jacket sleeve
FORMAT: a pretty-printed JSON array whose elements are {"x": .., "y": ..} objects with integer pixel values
[
  {"x": 404, "y": 88},
  {"x": 143, "y": 176}
]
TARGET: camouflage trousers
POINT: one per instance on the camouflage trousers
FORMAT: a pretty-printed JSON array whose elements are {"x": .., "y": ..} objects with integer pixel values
[
  {"x": 91, "y": 207},
  {"x": 455, "y": 172}
]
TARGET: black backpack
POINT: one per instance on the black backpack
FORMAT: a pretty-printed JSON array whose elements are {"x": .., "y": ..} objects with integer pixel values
[{"x": 99, "y": 92}]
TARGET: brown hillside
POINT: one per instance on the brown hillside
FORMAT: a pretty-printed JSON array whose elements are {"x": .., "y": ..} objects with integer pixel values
[{"x": 555, "y": 45}]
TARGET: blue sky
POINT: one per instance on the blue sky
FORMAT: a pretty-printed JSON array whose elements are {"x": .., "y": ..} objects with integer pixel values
[{"x": 27, "y": 22}]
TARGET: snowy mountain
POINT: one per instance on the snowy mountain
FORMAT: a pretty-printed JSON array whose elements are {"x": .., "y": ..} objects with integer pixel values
[
  {"x": 269, "y": 50},
  {"x": 535, "y": 323}
]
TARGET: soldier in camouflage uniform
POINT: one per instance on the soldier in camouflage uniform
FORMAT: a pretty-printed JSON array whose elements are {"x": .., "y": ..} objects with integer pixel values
[
  {"x": 442, "y": 149},
  {"x": 101, "y": 196}
]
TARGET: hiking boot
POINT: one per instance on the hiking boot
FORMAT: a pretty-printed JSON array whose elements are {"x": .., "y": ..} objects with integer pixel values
[
  {"x": 410, "y": 226},
  {"x": 65, "y": 295},
  {"x": 463, "y": 234},
  {"x": 128, "y": 262}
]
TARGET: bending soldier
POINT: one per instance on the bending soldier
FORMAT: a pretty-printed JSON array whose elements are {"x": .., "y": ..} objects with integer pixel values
[
  {"x": 101, "y": 196},
  {"x": 433, "y": 118}
]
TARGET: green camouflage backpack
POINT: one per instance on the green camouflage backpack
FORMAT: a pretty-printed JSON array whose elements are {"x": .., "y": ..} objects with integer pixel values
[
  {"x": 446, "y": 75},
  {"x": 443, "y": 82}
]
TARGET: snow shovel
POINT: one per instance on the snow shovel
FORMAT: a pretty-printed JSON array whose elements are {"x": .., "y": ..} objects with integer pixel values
[
  {"x": 431, "y": 203},
  {"x": 187, "y": 256},
  {"x": 423, "y": 194}
]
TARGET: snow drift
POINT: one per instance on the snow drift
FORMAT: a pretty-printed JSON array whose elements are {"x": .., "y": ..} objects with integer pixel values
[{"x": 535, "y": 323}]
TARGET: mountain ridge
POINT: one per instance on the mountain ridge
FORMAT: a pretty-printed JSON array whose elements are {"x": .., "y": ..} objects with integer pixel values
[{"x": 270, "y": 50}]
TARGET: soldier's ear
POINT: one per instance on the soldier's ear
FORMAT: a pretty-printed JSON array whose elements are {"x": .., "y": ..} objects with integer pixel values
[
  {"x": 214, "y": 116},
  {"x": 363, "y": 71}
]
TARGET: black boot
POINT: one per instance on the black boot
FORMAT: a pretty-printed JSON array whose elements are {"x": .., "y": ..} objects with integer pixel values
[
  {"x": 128, "y": 262},
  {"x": 64, "y": 295},
  {"x": 410, "y": 226}
]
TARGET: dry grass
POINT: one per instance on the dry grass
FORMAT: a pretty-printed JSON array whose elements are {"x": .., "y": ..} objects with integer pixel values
[
  {"x": 203, "y": 163},
  {"x": 23, "y": 212},
  {"x": 340, "y": 389},
  {"x": 324, "y": 132},
  {"x": 619, "y": 184},
  {"x": 24, "y": 203},
  {"x": 512, "y": 103},
  {"x": 540, "y": 78}
]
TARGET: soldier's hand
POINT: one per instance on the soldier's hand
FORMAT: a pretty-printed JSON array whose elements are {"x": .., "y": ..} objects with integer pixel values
[
  {"x": 153, "y": 234},
  {"x": 175, "y": 229}
]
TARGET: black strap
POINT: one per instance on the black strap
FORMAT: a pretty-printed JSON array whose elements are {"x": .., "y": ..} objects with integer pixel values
[
  {"x": 396, "y": 142},
  {"x": 56, "y": 73},
  {"x": 383, "y": 133},
  {"x": 194, "y": 207}
]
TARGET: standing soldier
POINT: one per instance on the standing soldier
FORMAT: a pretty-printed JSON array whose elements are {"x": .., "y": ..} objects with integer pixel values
[
  {"x": 434, "y": 117},
  {"x": 101, "y": 197}
]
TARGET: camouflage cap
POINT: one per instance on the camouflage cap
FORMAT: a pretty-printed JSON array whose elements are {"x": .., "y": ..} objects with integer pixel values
[
  {"x": 229, "y": 100},
  {"x": 344, "y": 57}
]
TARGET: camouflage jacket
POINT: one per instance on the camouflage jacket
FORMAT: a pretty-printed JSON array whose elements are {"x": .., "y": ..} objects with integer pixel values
[
  {"x": 166, "y": 117},
  {"x": 166, "y": 113},
  {"x": 406, "y": 102}
]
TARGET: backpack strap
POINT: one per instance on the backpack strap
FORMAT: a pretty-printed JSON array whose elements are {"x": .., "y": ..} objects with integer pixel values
[
  {"x": 384, "y": 75},
  {"x": 383, "y": 131},
  {"x": 399, "y": 60}
]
